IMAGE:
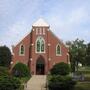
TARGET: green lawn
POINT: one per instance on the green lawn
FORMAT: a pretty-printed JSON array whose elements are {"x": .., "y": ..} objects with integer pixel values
[
  {"x": 86, "y": 72},
  {"x": 82, "y": 86}
]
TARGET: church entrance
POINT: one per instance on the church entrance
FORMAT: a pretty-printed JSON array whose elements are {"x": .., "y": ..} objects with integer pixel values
[{"x": 40, "y": 66}]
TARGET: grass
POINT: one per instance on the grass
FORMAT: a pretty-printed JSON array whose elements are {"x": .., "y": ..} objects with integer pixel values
[
  {"x": 85, "y": 85},
  {"x": 86, "y": 72},
  {"x": 82, "y": 86}
]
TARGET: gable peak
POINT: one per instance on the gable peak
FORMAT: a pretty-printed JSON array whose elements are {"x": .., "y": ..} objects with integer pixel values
[{"x": 40, "y": 23}]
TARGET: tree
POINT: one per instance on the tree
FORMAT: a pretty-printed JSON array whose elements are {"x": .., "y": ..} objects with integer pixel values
[
  {"x": 60, "y": 69},
  {"x": 88, "y": 54},
  {"x": 77, "y": 51},
  {"x": 5, "y": 56}
]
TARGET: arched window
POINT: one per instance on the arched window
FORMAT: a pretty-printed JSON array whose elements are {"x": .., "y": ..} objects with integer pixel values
[
  {"x": 40, "y": 45},
  {"x": 58, "y": 50},
  {"x": 22, "y": 50}
]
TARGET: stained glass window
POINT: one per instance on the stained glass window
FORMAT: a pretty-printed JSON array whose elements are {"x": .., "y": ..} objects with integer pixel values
[
  {"x": 22, "y": 50},
  {"x": 58, "y": 50},
  {"x": 40, "y": 45}
]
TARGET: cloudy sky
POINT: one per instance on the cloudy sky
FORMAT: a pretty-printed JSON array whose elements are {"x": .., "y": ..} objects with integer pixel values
[{"x": 69, "y": 19}]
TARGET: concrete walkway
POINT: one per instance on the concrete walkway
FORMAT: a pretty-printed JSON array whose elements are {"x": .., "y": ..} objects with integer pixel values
[{"x": 37, "y": 82}]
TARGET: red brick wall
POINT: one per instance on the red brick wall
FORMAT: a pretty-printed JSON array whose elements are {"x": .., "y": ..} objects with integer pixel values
[
  {"x": 16, "y": 57},
  {"x": 50, "y": 51}
]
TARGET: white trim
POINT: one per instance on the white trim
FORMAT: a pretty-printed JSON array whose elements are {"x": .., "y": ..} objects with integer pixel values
[
  {"x": 13, "y": 53},
  {"x": 48, "y": 29},
  {"x": 37, "y": 31},
  {"x": 49, "y": 59},
  {"x": 40, "y": 23},
  {"x": 40, "y": 31},
  {"x": 33, "y": 29},
  {"x": 60, "y": 50},
  {"x": 68, "y": 54},
  {"x": 20, "y": 50},
  {"x": 43, "y": 31},
  {"x": 36, "y": 45},
  {"x": 30, "y": 59},
  {"x": 68, "y": 58},
  {"x": 49, "y": 44},
  {"x": 32, "y": 44},
  {"x": 11, "y": 62}
]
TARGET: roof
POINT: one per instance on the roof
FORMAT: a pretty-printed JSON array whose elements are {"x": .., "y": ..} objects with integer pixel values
[{"x": 40, "y": 22}]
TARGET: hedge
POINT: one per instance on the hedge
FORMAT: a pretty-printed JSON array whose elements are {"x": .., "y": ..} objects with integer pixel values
[
  {"x": 61, "y": 83},
  {"x": 9, "y": 83},
  {"x": 60, "y": 69}
]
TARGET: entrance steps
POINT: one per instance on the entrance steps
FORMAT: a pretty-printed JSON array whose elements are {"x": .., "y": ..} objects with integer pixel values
[{"x": 37, "y": 82}]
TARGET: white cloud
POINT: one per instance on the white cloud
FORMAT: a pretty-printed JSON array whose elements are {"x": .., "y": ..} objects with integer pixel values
[
  {"x": 78, "y": 16},
  {"x": 67, "y": 18},
  {"x": 72, "y": 26},
  {"x": 15, "y": 33}
]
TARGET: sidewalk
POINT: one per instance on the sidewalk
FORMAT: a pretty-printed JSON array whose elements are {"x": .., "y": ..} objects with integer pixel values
[{"x": 37, "y": 82}]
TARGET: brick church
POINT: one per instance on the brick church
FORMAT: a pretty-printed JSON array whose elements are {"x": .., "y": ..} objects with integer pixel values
[{"x": 40, "y": 49}]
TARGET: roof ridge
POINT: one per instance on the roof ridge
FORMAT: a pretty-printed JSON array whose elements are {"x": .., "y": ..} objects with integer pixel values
[
  {"x": 58, "y": 38},
  {"x": 41, "y": 22}
]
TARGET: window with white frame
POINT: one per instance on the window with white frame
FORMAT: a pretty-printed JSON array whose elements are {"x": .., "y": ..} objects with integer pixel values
[
  {"x": 40, "y": 45},
  {"x": 58, "y": 50},
  {"x": 22, "y": 50}
]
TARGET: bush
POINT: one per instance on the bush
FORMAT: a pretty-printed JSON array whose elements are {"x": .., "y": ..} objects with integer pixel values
[
  {"x": 60, "y": 69},
  {"x": 9, "y": 83},
  {"x": 61, "y": 83},
  {"x": 21, "y": 70},
  {"x": 4, "y": 71}
]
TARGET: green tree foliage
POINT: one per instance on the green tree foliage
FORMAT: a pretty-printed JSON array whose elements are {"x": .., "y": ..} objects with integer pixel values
[
  {"x": 21, "y": 70},
  {"x": 88, "y": 54},
  {"x": 9, "y": 83},
  {"x": 5, "y": 56},
  {"x": 77, "y": 51},
  {"x": 60, "y": 69}
]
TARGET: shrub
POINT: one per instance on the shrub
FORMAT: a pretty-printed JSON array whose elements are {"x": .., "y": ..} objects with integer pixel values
[
  {"x": 4, "y": 71},
  {"x": 21, "y": 70},
  {"x": 9, "y": 83},
  {"x": 61, "y": 83},
  {"x": 60, "y": 69}
]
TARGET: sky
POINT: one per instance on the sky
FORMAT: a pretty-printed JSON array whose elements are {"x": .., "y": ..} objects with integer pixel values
[{"x": 68, "y": 19}]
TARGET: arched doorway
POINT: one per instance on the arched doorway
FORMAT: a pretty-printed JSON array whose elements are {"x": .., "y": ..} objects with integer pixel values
[{"x": 40, "y": 66}]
